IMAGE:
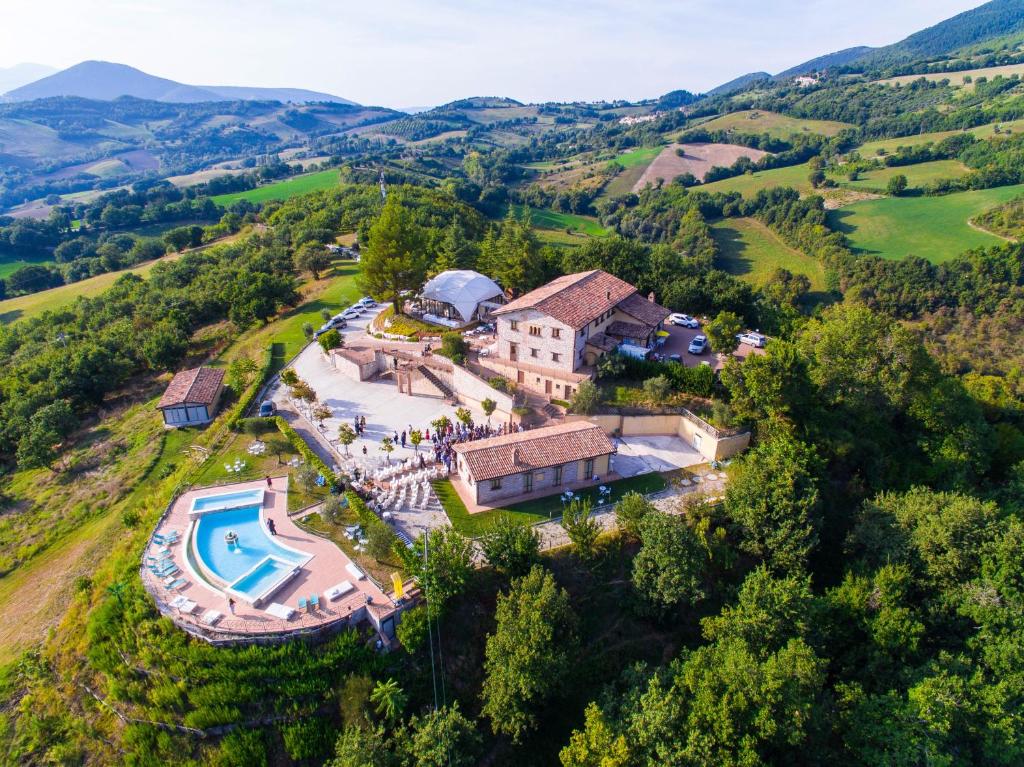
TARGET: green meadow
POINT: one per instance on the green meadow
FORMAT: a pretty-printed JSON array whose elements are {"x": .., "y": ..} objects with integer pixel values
[
  {"x": 934, "y": 228},
  {"x": 795, "y": 176},
  {"x": 751, "y": 251},
  {"x": 283, "y": 190}
]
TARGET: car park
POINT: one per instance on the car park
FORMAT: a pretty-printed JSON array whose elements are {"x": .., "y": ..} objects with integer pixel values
[
  {"x": 351, "y": 314},
  {"x": 698, "y": 345},
  {"x": 337, "y": 322},
  {"x": 757, "y": 340},
  {"x": 267, "y": 409},
  {"x": 367, "y": 302},
  {"x": 684, "y": 320}
]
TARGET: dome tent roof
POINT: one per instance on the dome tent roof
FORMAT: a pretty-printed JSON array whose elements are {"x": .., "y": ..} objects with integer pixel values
[{"x": 463, "y": 289}]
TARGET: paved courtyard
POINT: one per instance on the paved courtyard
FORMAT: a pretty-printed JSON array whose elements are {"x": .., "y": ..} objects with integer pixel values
[{"x": 643, "y": 455}]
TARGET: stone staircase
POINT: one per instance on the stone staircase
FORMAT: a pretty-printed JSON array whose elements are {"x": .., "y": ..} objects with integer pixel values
[{"x": 440, "y": 385}]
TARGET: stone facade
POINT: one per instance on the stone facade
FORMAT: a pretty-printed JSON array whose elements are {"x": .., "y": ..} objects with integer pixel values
[{"x": 489, "y": 492}]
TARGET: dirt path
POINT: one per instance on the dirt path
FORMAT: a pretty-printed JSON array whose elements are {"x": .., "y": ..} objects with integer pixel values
[{"x": 979, "y": 228}]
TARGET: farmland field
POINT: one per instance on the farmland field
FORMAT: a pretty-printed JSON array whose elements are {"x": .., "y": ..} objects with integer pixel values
[
  {"x": 917, "y": 175},
  {"x": 749, "y": 184},
  {"x": 775, "y": 125},
  {"x": 7, "y": 268},
  {"x": 634, "y": 164},
  {"x": 871, "y": 148},
  {"x": 751, "y": 251},
  {"x": 283, "y": 190},
  {"x": 956, "y": 79},
  {"x": 697, "y": 160},
  {"x": 542, "y": 218},
  {"x": 935, "y": 228}
]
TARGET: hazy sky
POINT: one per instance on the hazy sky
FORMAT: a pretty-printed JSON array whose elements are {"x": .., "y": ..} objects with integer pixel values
[{"x": 426, "y": 52}]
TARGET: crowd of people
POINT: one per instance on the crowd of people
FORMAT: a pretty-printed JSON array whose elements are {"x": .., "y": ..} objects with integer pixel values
[{"x": 456, "y": 433}]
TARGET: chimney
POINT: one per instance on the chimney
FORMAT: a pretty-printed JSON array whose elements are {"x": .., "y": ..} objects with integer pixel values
[
  {"x": 608, "y": 295},
  {"x": 515, "y": 456}
]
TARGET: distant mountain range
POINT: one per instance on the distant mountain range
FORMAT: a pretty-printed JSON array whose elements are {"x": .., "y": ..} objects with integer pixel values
[
  {"x": 22, "y": 74},
  {"x": 106, "y": 81},
  {"x": 998, "y": 18}
]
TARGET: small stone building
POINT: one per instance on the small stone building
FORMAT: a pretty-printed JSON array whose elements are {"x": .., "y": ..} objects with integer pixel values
[
  {"x": 541, "y": 461},
  {"x": 192, "y": 397}
]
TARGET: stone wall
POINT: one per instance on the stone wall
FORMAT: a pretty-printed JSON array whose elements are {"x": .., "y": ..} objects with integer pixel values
[
  {"x": 514, "y": 486},
  {"x": 709, "y": 442},
  {"x": 472, "y": 390}
]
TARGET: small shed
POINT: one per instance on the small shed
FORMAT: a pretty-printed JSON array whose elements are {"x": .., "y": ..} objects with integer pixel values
[{"x": 192, "y": 396}]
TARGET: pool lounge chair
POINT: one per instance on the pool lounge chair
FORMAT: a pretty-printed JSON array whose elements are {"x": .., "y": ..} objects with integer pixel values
[
  {"x": 166, "y": 540},
  {"x": 354, "y": 571},
  {"x": 184, "y": 605},
  {"x": 210, "y": 617},
  {"x": 278, "y": 610},
  {"x": 314, "y": 602},
  {"x": 337, "y": 592},
  {"x": 166, "y": 570},
  {"x": 171, "y": 582},
  {"x": 302, "y": 603}
]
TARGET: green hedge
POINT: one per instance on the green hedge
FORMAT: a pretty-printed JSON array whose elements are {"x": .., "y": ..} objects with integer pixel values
[
  {"x": 246, "y": 400},
  {"x": 699, "y": 380},
  {"x": 302, "y": 448},
  {"x": 366, "y": 518}
]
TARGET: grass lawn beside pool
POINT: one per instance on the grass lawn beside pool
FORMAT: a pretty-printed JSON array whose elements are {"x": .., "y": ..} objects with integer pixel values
[
  {"x": 531, "y": 512},
  {"x": 934, "y": 228},
  {"x": 283, "y": 190},
  {"x": 751, "y": 251}
]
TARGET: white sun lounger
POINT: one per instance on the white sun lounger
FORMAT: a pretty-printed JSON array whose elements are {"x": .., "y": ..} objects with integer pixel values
[
  {"x": 278, "y": 610},
  {"x": 337, "y": 592},
  {"x": 354, "y": 571},
  {"x": 210, "y": 617},
  {"x": 184, "y": 605}
]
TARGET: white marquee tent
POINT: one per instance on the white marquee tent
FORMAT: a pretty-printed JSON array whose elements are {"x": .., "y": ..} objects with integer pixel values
[{"x": 462, "y": 290}]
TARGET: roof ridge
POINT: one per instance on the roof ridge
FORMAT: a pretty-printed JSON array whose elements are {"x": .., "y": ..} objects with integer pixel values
[
  {"x": 526, "y": 436},
  {"x": 195, "y": 377}
]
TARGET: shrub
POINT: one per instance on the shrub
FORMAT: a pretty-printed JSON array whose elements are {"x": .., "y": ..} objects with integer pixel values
[
  {"x": 249, "y": 395},
  {"x": 330, "y": 340},
  {"x": 454, "y": 347},
  {"x": 586, "y": 398}
]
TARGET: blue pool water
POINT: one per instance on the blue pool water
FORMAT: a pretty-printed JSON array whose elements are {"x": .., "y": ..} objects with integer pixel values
[
  {"x": 254, "y": 545},
  {"x": 262, "y": 578},
  {"x": 234, "y": 500}
]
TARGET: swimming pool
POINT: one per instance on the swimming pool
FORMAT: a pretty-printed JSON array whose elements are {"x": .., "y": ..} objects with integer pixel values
[
  {"x": 235, "y": 500},
  {"x": 252, "y": 567}
]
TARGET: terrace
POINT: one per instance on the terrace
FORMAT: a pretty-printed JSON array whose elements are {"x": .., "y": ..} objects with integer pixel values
[{"x": 218, "y": 543}]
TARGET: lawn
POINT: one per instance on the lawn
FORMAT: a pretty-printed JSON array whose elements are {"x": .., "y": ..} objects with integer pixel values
[
  {"x": 917, "y": 175},
  {"x": 775, "y": 125},
  {"x": 871, "y": 148},
  {"x": 638, "y": 157},
  {"x": 956, "y": 79},
  {"x": 935, "y": 228},
  {"x": 749, "y": 184},
  {"x": 283, "y": 190},
  {"x": 336, "y": 291},
  {"x": 543, "y": 218},
  {"x": 530, "y": 512},
  {"x": 751, "y": 251},
  {"x": 273, "y": 462}
]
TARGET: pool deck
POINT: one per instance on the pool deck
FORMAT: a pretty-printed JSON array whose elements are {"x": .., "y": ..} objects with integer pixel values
[{"x": 326, "y": 569}]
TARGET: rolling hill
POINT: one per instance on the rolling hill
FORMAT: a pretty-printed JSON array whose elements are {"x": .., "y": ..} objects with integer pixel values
[
  {"x": 22, "y": 74},
  {"x": 106, "y": 81}
]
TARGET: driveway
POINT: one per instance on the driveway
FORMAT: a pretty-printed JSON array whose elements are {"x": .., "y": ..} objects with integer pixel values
[{"x": 679, "y": 339}]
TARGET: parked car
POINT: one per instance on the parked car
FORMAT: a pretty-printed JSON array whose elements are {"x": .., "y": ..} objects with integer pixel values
[
  {"x": 267, "y": 409},
  {"x": 675, "y": 358},
  {"x": 698, "y": 345},
  {"x": 337, "y": 321},
  {"x": 684, "y": 320},
  {"x": 757, "y": 340},
  {"x": 367, "y": 302},
  {"x": 350, "y": 314}
]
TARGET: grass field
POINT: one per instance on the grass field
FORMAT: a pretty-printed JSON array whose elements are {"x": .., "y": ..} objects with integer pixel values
[
  {"x": 7, "y": 268},
  {"x": 956, "y": 79},
  {"x": 751, "y": 251},
  {"x": 552, "y": 226},
  {"x": 34, "y": 304},
  {"x": 871, "y": 148},
  {"x": 775, "y": 125},
  {"x": 283, "y": 190},
  {"x": 917, "y": 175},
  {"x": 935, "y": 228},
  {"x": 530, "y": 512},
  {"x": 749, "y": 184},
  {"x": 634, "y": 164}
]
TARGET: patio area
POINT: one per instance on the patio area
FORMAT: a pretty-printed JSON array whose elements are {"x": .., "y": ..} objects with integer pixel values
[{"x": 200, "y": 607}]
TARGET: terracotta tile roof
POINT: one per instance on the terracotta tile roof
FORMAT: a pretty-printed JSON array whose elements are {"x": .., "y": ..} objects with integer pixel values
[
  {"x": 535, "y": 449},
  {"x": 620, "y": 329},
  {"x": 198, "y": 386},
  {"x": 647, "y": 312},
  {"x": 574, "y": 299}
]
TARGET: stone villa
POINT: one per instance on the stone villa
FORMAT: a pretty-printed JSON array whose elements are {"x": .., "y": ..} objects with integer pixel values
[{"x": 550, "y": 339}]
